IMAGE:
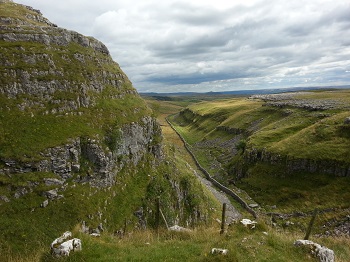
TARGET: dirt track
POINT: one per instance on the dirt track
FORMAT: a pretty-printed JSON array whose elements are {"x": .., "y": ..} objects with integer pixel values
[{"x": 232, "y": 213}]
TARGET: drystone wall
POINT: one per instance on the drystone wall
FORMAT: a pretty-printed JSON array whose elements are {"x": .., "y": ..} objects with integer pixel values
[{"x": 213, "y": 180}]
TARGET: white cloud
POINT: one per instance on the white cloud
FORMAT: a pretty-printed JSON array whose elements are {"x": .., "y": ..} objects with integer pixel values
[{"x": 204, "y": 45}]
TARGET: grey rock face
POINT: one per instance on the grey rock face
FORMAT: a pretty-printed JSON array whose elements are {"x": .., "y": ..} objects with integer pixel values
[
  {"x": 135, "y": 141},
  {"x": 293, "y": 164},
  {"x": 137, "y": 138},
  {"x": 41, "y": 74}
]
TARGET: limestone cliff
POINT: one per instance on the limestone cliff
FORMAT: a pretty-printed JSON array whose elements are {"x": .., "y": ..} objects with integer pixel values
[
  {"x": 77, "y": 142},
  {"x": 65, "y": 103}
]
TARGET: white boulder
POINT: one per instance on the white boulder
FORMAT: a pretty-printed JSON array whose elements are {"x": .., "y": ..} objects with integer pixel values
[
  {"x": 179, "y": 229},
  {"x": 324, "y": 254},
  {"x": 220, "y": 251},
  {"x": 248, "y": 223},
  {"x": 63, "y": 245}
]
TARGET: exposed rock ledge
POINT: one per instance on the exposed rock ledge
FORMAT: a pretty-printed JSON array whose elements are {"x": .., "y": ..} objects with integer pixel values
[
  {"x": 332, "y": 167},
  {"x": 136, "y": 140}
]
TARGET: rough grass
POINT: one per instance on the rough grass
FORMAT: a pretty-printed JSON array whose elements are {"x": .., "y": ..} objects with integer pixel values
[
  {"x": 243, "y": 245},
  {"x": 288, "y": 131},
  {"x": 300, "y": 191}
]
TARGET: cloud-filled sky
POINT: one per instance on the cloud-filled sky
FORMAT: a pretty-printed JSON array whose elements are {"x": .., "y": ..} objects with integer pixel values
[{"x": 215, "y": 45}]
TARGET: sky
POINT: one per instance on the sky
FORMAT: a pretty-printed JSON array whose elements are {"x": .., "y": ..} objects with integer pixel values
[{"x": 216, "y": 45}]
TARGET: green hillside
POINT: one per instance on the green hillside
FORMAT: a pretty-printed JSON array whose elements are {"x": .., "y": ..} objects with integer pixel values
[
  {"x": 78, "y": 145},
  {"x": 289, "y": 152},
  {"x": 288, "y": 130}
]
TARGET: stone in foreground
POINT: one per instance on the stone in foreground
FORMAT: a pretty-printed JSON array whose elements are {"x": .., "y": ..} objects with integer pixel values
[
  {"x": 322, "y": 253},
  {"x": 63, "y": 245}
]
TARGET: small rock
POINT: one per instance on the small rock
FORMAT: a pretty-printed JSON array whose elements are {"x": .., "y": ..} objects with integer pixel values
[
  {"x": 76, "y": 168},
  {"x": 59, "y": 196},
  {"x": 84, "y": 228},
  {"x": 53, "y": 182},
  {"x": 5, "y": 199},
  {"x": 347, "y": 121},
  {"x": 21, "y": 192},
  {"x": 253, "y": 205},
  {"x": 100, "y": 227},
  {"x": 288, "y": 223},
  {"x": 45, "y": 203},
  {"x": 179, "y": 229},
  {"x": 248, "y": 223},
  {"x": 220, "y": 251},
  {"x": 95, "y": 231},
  {"x": 51, "y": 194}
]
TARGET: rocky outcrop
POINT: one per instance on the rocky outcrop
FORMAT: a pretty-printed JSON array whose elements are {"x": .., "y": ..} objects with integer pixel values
[
  {"x": 289, "y": 99},
  {"x": 40, "y": 62},
  {"x": 134, "y": 142},
  {"x": 291, "y": 164}
]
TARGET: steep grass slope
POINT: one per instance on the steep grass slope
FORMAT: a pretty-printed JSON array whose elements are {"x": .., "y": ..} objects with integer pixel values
[{"x": 77, "y": 143}]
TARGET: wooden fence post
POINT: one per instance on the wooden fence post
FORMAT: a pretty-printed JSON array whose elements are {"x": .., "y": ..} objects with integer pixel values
[
  {"x": 125, "y": 222},
  {"x": 157, "y": 213},
  {"x": 310, "y": 225},
  {"x": 223, "y": 218}
]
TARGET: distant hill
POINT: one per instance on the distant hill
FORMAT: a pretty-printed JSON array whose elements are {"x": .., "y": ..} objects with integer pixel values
[{"x": 244, "y": 92}]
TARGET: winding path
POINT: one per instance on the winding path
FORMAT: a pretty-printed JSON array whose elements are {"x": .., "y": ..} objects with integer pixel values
[{"x": 232, "y": 213}]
